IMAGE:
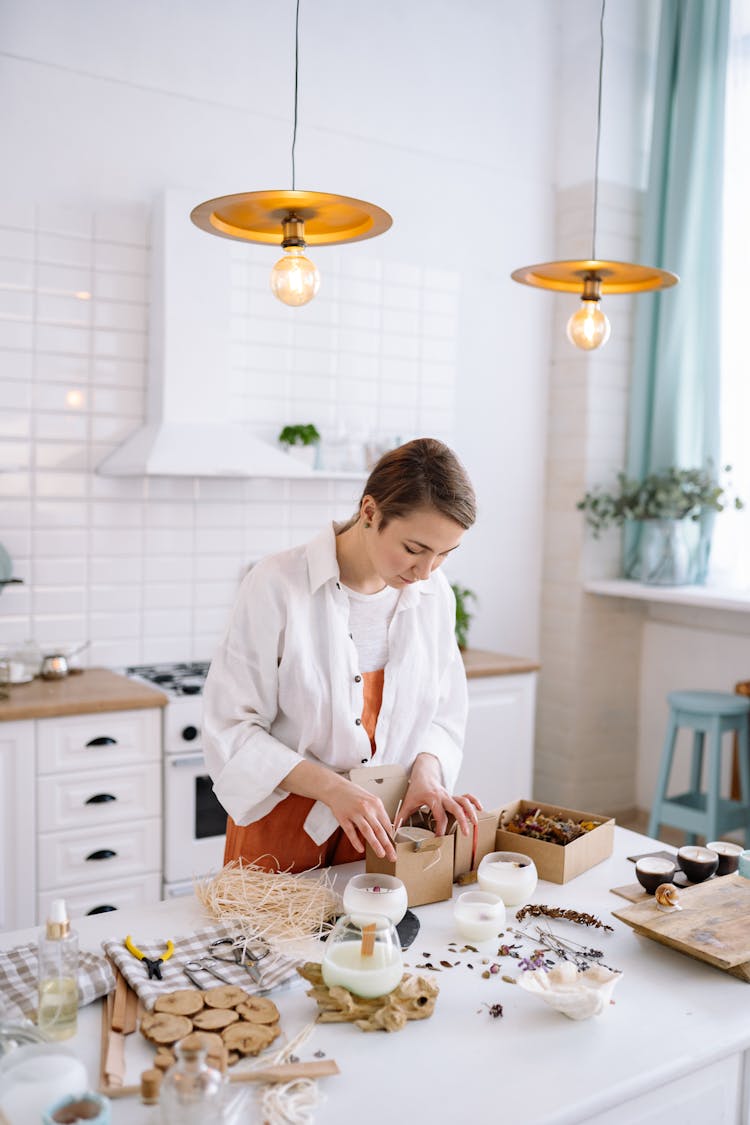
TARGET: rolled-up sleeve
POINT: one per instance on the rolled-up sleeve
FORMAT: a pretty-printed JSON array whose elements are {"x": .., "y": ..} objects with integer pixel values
[{"x": 240, "y": 703}]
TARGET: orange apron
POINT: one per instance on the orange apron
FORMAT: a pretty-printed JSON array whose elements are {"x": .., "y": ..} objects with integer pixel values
[{"x": 278, "y": 841}]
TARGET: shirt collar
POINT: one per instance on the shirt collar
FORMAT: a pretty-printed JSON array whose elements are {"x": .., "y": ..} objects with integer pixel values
[{"x": 322, "y": 567}]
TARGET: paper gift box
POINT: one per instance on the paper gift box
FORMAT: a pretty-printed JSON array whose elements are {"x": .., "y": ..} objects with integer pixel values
[
  {"x": 558, "y": 863},
  {"x": 425, "y": 867}
]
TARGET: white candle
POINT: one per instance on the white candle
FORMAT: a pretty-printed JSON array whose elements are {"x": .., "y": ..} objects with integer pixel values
[
  {"x": 368, "y": 976},
  {"x": 510, "y": 875},
  {"x": 34, "y": 1077},
  {"x": 478, "y": 915},
  {"x": 376, "y": 894},
  {"x": 363, "y": 954}
]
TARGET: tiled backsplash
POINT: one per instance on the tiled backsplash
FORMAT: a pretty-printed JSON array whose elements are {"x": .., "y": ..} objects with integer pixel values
[{"x": 147, "y": 568}]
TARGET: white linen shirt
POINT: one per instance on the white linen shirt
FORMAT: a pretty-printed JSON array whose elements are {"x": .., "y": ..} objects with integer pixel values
[{"x": 285, "y": 687}]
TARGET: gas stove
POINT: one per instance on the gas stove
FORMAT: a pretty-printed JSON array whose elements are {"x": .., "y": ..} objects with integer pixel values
[{"x": 173, "y": 679}]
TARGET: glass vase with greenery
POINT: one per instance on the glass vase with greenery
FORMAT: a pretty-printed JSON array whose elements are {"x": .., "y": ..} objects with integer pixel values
[{"x": 672, "y": 494}]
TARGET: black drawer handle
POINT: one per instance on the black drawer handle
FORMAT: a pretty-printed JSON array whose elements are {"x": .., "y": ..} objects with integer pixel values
[
  {"x": 102, "y": 740},
  {"x": 103, "y": 853},
  {"x": 100, "y": 799},
  {"x": 101, "y": 910}
]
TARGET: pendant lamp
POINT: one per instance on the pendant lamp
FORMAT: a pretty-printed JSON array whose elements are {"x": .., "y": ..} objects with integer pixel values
[
  {"x": 593, "y": 277},
  {"x": 293, "y": 220}
]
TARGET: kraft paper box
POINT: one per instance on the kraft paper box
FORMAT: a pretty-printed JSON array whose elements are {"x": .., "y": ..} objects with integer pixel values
[
  {"x": 425, "y": 868},
  {"x": 558, "y": 863},
  {"x": 470, "y": 852}
]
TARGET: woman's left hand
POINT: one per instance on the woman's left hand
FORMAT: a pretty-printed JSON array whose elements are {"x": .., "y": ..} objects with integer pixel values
[{"x": 426, "y": 789}]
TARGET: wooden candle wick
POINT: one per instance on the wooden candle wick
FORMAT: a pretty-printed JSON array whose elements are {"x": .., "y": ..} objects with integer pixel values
[
  {"x": 368, "y": 940},
  {"x": 396, "y": 822}
]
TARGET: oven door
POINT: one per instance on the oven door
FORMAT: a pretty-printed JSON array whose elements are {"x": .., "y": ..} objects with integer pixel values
[{"x": 194, "y": 822}]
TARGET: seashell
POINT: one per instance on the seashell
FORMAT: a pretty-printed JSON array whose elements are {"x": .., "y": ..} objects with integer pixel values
[
  {"x": 578, "y": 995},
  {"x": 667, "y": 897}
]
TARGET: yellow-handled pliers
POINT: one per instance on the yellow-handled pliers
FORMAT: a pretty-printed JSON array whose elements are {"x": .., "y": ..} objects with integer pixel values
[{"x": 153, "y": 964}]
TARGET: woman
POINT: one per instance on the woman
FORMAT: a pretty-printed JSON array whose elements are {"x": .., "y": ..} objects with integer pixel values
[{"x": 340, "y": 654}]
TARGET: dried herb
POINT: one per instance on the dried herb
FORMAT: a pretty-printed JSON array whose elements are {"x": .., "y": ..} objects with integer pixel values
[
  {"x": 553, "y": 829},
  {"x": 508, "y": 980},
  {"x": 536, "y": 910},
  {"x": 495, "y": 1010},
  {"x": 446, "y": 964},
  {"x": 485, "y": 975}
]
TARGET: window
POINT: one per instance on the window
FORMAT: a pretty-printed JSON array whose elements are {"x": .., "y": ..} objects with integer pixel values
[{"x": 730, "y": 559}]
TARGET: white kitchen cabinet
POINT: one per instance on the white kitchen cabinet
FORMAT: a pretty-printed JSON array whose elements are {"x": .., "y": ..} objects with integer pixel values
[
  {"x": 17, "y": 825},
  {"x": 98, "y": 795},
  {"x": 499, "y": 746}
]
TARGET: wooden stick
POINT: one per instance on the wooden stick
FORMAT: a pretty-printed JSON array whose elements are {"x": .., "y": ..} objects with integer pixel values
[
  {"x": 368, "y": 939},
  {"x": 287, "y": 1072}
]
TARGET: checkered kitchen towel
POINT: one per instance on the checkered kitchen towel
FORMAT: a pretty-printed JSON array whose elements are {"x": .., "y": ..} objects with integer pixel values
[
  {"x": 19, "y": 977},
  {"x": 277, "y": 970}
]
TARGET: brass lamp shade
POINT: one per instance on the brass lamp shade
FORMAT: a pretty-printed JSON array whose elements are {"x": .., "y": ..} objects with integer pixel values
[
  {"x": 615, "y": 277},
  {"x": 258, "y": 216}
]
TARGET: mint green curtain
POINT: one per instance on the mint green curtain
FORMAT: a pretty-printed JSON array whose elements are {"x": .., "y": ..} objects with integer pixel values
[{"x": 674, "y": 397}]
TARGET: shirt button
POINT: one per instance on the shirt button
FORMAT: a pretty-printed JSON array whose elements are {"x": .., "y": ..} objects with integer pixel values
[
  {"x": 365, "y": 761},
  {"x": 358, "y": 679},
  {"x": 338, "y": 585},
  {"x": 358, "y": 722}
]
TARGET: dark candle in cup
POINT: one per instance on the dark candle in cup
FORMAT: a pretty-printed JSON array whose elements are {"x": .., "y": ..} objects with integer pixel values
[
  {"x": 653, "y": 870},
  {"x": 728, "y": 853},
  {"x": 697, "y": 863}
]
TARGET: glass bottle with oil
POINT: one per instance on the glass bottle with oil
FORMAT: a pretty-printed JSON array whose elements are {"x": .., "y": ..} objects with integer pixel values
[{"x": 58, "y": 972}]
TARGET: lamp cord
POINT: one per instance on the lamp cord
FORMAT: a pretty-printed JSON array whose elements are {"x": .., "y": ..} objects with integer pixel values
[
  {"x": 598, "y": 129},
  {"x": 296, "y": 85}
]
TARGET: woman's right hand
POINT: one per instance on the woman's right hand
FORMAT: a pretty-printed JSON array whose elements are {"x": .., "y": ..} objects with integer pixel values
[{"x": 362, "y": 816}]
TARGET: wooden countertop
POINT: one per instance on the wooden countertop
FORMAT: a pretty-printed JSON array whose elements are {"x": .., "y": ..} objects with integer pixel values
[
  {"x": 95, "y": 689},
  {"x": 479, "y": 662}
]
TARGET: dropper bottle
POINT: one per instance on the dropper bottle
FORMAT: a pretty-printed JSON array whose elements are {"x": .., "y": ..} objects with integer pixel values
[{"x": 58, "y": 972}]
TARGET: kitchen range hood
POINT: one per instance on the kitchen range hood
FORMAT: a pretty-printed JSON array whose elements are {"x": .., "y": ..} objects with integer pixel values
[{"x": 188, "y": 429}]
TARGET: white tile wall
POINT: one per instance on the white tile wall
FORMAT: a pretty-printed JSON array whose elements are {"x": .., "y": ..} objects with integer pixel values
[
  {"x": 587, "y": 711},
  {"x": 147, "y": 568}
]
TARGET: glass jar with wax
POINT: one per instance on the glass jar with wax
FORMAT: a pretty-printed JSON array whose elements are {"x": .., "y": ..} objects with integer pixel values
[
  {"x": 363, "y": 955},
  {"x": 478, "y": 915},
  {"x": 510, "y": 875},
  {"x": 376, "y": 894}
]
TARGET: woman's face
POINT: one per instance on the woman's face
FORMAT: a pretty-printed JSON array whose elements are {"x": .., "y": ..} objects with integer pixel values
[{"x": 407, "y": 550}]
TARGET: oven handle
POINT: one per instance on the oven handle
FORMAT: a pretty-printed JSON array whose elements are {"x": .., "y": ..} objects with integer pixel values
[{"x": 188, "y": 760}]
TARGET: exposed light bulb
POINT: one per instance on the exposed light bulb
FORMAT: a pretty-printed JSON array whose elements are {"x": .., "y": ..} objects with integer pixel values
[
  {"x": 295, "y": 279},
  {"x": 588, "y": 328}
]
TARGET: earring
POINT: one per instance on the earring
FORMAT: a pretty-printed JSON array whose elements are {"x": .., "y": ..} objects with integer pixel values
[{"x": 367, "y": 523}]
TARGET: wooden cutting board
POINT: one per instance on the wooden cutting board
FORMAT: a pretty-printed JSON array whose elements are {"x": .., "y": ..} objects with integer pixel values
[{"x": 713, "y": 925}]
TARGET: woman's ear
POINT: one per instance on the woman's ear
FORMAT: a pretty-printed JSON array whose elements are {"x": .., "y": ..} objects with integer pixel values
[{"x": 368, "y": 511}]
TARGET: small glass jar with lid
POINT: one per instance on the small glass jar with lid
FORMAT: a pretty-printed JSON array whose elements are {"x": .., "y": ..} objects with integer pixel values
[{"x": 192, "y": 1093}]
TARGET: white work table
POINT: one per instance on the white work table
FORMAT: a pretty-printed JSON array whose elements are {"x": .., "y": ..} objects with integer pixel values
[{"x": 674, "y": 1046}]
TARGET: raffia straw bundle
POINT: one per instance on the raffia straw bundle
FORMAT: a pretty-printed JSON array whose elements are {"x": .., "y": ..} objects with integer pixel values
[{"x": 276, "y": 906}]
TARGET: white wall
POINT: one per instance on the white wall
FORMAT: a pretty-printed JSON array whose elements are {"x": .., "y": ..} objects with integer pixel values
[{"x": 415, "y": 107}]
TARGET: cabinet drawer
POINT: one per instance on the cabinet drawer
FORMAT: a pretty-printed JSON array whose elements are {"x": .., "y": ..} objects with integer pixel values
[
  {"x": 91, "y": 798},
  {"x": 143, "y": 891},
  {"x": 101, "y": 741},
  {"x": 81, "y": 857}
]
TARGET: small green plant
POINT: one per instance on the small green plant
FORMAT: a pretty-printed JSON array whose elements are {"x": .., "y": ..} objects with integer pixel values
[
  {"x": 299, "y": 435},
  {"x": 463, "y": 614},
  {"x": 673, "y": 494}
]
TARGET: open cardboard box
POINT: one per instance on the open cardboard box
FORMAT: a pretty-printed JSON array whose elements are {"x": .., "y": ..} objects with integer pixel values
[
  {"x": 557, "y": 863},
  {"x": 425, "y": 867}
]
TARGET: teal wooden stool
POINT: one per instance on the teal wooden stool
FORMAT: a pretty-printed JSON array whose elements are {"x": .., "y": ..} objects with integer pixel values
[{"x": 712, "y": 713}]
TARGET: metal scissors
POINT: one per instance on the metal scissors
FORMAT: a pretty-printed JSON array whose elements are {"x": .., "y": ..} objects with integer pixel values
[
  {"x": 203, "y": 965},
  {"x": 246, "y": 953}
]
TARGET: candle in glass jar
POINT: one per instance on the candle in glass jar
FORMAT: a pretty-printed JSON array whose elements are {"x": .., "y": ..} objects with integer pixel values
[
  {"x": 376, "y": 894},
  {"x": 478, "y": 915},
  {"x": 363, "y": 955},
  {"x": 510, "y": 875}
]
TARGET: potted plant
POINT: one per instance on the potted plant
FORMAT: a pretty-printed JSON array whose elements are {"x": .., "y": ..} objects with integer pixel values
[
  {"x": 665, "y": 504},
  {"x": 463, "y": 614},
  {"x": 301, "y": 442}
]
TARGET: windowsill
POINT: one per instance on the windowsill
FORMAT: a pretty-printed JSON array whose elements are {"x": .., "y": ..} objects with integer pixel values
[{"x": 697, "y": 597}]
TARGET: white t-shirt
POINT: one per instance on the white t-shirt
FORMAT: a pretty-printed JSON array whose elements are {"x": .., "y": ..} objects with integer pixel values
[{"x": 370, "y": 616}]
